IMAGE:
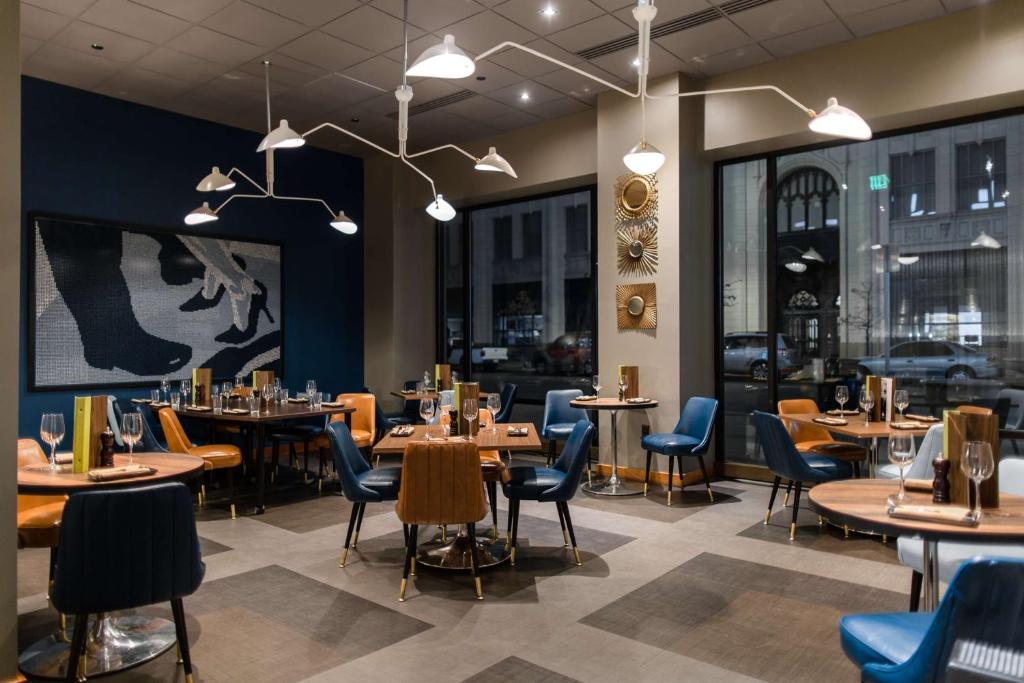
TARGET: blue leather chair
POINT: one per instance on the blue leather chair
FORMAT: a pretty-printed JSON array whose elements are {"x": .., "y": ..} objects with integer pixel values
[
  {"x": 786, "y": 462},
  {"x": 984, "y": 604},
  {"x": 691, "y": 437},
  {"x": 150, "y": 554},
  {"x": 556, "y": 484},
  {"x": 410, "y": 413},
  {"x": 508, "y": 400},
  {"x": 150, "y": 443},
  {"x": 360, "y": 483},
  {"x": 560, "y": 418}
]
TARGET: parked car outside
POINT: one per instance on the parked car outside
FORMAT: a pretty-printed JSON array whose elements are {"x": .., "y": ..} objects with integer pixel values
[
  {"x": 931, "y": 359},
  {"x": 746, "y": 353},
  {"x": 482, "y": 357},
  {"x": 568, "y": 353}
]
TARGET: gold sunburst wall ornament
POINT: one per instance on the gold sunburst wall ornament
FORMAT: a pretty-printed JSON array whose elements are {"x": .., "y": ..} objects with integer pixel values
[
  {"x": 637, "y": 249},
  {"x": 637, "y": 306},
  {"x": 636, "y": 198}
]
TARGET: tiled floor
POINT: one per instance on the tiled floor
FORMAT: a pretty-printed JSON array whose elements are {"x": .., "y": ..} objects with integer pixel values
[{"x": 695, "y": 592}]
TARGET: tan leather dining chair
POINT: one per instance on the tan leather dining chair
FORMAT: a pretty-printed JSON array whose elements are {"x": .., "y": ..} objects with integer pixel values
[
  {"x": 364, "y": 420},
  {"x": 442, "y": 483},
  {"x": 813, "y": 440},
  {"x": 215, "y": 456},
  {"x": 38, "y": 516},
  {"x": 974, "y": 410}
]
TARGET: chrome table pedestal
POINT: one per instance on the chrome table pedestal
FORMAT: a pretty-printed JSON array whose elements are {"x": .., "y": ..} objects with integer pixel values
[
  {"x": 115, "y": 642},
  {"x": 613, "y": 485},
  {"x": 455, "y": 553}
]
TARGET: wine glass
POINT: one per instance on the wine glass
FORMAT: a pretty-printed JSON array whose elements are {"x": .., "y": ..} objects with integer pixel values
[
  {"x": 165, "y": 389},
  {"x": 51, "y": 429},
  {"x": 426, "y": 379},
  {"x": 901, "y": 400},
  {"x": 277, "y": 385},
  {"x": 623, "y": 385},
  {"x": 470, "y": 409},
  {"x": 186, "y": 389},
  {"x": 131, "y": 431},
  {"x": 494, "y": 405},
  {"x": 977, "y": 463},
  {"x": 842, "y": 396},
  {"x": 310, "y": 388},
  {"x": 596, "y": 383},
  {"x": 421, "y": 388},
  {"x": 268, "y": 394},
  {"x": 901, "y": 454},
  {"x": 239, "y": 381},
  {"x": 867, "y": 402},
  {"x": 427, "y": 410}
]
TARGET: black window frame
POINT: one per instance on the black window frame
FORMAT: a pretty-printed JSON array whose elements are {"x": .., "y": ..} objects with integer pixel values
[
  {"x": 904, "y": 169},
  {"x": 967, "y": 181}
]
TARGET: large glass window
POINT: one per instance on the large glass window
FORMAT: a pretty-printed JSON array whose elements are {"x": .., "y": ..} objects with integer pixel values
[
  {"x": 530, "y": 314},
  {"x": 890, "y": 257}
]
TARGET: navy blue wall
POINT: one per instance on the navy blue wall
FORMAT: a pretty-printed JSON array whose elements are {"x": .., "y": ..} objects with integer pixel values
[{"x": 97, "y": 157}]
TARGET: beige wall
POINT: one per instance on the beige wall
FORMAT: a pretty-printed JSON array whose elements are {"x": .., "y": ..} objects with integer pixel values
[
  {"x": 964, "y": 63},
  {"x": 10, "y": 281}
]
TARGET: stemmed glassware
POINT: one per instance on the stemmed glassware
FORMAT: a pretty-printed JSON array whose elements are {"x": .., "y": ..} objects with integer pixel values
[
  {"x": 842, "y": 396},
  {"x": 901, "y": 454},
  {"x": 131, "y": 431},
  {"x": 978, "y": 464},
  {"x": 310, "y": 389},
  {"x": 867, "y": 402},
  {"x": 494, "y": 405},
  {"x": 470, "y": 409},
  {"x": 623, "y": 385},
  {"x": 901, "y": 399},
  {"x": 268, "y": 394},
  {"x": 165, "y": 389},
  {"x": 427, "y": 410},
  {"x": 51, "y": 429},
  {"x": 596, "y": 383},
  {"x": 186, "y": 389}
]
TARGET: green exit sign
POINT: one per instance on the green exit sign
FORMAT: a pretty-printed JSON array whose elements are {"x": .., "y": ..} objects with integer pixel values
[{"x": 879, "y": 182}]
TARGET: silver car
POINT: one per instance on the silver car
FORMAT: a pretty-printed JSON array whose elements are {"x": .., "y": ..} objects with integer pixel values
[
  {"x": 924, "y": 359},
  {"x": 746, "y": 353}
]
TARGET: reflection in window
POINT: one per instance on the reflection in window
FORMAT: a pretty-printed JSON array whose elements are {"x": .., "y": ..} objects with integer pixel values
[
  {"x": 913, "y": 184},
  {"x": 532, "y": 240},
  {"x": 808, "y": 200},
  {"x": 981, "y": 175}
]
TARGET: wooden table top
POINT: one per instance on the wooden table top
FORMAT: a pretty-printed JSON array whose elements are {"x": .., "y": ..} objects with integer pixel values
[
  {"x": 169, "y": 467},
  {"x": 485, "y": 439},
  {"x": 861, "y": 503},
  {"x": 855, "y": 427},
  {"x": 276, "y": 413},
  {"x": 430, "y": 394},
  {"x": 611, "y": 404}
]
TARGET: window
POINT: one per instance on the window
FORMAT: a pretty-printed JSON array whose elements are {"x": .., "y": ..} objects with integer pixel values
[
  {"x": 502, "y": 237},
  {"x": 532, "y": 234},
  {"x": 808, "y": 200},
  {"x": 981, "y": 175},
  {"x": 577, "y": 229},
  {"x": 912, "y": 192}
]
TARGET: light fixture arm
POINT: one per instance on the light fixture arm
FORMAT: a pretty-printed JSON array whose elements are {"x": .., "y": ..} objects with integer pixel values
[
  {"x": 352, "y": 135},
  {"x": 433, "y": 190},
  {"x": 239, "y": 196},
  {"x": 570, "y": 67},
  {"x": 722, "y": 91},
  {"x": 438, "y": 149},
  {"x": 239, "y": 171},
  {"x": 307, "y": 199}
]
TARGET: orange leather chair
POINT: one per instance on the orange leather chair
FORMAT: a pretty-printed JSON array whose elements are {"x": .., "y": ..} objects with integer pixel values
[
  {"x": 442, "y": 483},
  {"x": 38, "y": 516},
  {"x": 364, "y": 420},
  {"x": 974, "y": 410},
  {"x": 815, "y": 440},
  {"x": 216, "y": 456}
]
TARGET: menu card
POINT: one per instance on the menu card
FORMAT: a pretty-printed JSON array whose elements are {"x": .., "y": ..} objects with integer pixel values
[{"x": 90, "y": 422}]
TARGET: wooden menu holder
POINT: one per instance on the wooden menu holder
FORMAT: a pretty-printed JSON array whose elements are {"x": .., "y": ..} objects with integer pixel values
[
  {"x": 443, "y": 376},
  {"x": 202, "y": 383},
  {"x": 463, "y": 391},
  {"x": 632, "y": 375},
  {"x": 874, "y": 383},
  {"x": 262, "y": 377},
  {"x": 959, "y": 428},
  {"x": 90, "y": 422}
]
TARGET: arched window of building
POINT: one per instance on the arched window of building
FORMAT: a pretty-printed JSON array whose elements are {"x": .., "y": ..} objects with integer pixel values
[{"x": 808, "y": 199}]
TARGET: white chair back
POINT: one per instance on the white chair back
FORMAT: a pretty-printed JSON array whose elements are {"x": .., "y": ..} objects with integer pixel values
[
  {"x": 1011, "y": 476},
  {"x": 931, "y": 446}
]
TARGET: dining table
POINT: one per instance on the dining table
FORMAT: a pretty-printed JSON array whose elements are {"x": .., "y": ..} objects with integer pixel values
[
  {"x": 453, "y": 553},
  {"x": 118, "y": 640},
  {"x": 863, "y": 503},
  {"x": 613, "y": 485},
  {"x": 413, "y": 395}
]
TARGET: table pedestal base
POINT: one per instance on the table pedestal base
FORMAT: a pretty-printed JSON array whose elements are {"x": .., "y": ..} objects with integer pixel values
[
  {"x": 114, "y": 643},
  {"x": 455, "y": 555},
  {"x": 612, "y": 486}
]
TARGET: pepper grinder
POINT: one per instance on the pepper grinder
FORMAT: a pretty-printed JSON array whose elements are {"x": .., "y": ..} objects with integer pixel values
[
  {"x": 940, "y": 484},
  {"x": 106, "y": 448}
]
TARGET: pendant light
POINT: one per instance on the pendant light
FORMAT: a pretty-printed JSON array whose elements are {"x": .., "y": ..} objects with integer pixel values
[
  {"x": 444, "y": 60},
  {"x": 201, "y": 214},
  {"x": 644, "y": 158},
  {"x": 812, "y": 255},
  {"x": 908, "y": 260},
  {"x": 840, "y": 122},
  {"x": 796, "y": 266},
  {"x": 215, "y": 181},
  {"x": 986, "y": 241},
  {"x": 281, "y": 137},
  {"x": 440, "y": 209},
  {"x": 344, "y": 224},
  {"x": 493, "y": 161}
]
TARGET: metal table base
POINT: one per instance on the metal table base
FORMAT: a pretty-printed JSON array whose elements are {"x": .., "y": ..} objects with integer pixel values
[
  {"x": 613, "y": 485},
  {"x": 455, "y": 554}
]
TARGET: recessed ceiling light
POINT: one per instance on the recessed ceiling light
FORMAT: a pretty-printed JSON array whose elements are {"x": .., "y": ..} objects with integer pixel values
[
  {"x": 354, "y": 119},
  {"x": 635, "y": 62},
  {"x": 524, "y": 96},
  {"x": 96, "y": 46},
  {"x": 481, "y": 78},
  {"x": 549, "y": 11}
]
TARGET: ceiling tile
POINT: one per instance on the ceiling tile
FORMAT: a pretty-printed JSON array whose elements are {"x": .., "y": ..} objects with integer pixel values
[
  {"x": 515, "y": 119},
  {"x": 739, "y": 58},
  {"x": 61, "y": 65},
  {"x": 71, "y": 8},
  {"x": 705, "y": 40},
  {"x": 431, "y": 15},
  {"x": 215, "y": 47},
  {"x": 563, "y": 106},
  {"x": 134, "y": 20},
  {"x": 580, "y": 87},
  {"x": 284, "y": 70},
  {"x": 370, "y": 28},
  {"x": 381, "y": 105},
  {"x": 180, "y": 66},
  {"x": 255, "y": 25},
  {"x": 416, "y": 47},
  {"x": 28, "y": 46},
  {"x": 808, "y": 39},
  {"x": 958, "y": 5},
  {"x": 590, "y": 33},
  {"x": 512, "y": 95},
  {"x": 782, "y": 17},
  {"x": 428, "y": 89},
  {"x": 494, "y": 76},
  {"x": 325, "y": 51},
  {"x": 480, "y": 108},
  {"x": 528, "y": 65},
  {"x": 310, "y": 12},
  {"x": 189, "y": 10},
  {"x": 527, "y": 14},
  {"x": 41, "y": 24},
  {"x": 847, "y": 7},
  {"x": 612, "y": 5},
  {"x": 485, "y": 30},
  {"x": 667, "y": 11},
  {"x": 140, "y": 85},
  {"x": 341, "y": 90},
  {"x": 116, "y": 46},
  {"x": 622, "y": 64},
  {"x": 892, "y": 16},
  {"x": 382, "y": 72}
]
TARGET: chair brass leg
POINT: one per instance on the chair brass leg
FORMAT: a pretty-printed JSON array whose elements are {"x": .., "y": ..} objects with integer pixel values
[
  {"x": 233, "y": 514},
  {"x": 885, "y": 538},
  {"x": 846, "y": 531},
  {"x": 320, "y": 486},
  {"x": 444, "y": 533},
  {"x": 771, "y": 499},
  {"x": 821, "y": 521},
  {"x": 177, "y": 648},
  {"x": 572, "y": 534},
  {"x": 792, "y": 531},
  {"x": 202, "y": 495}
]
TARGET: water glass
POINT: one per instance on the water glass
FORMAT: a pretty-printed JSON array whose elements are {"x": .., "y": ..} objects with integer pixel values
[
  {"x": 596, "y": 383},
  {"x": 239, "y": 381},
  {"x": 421, "y": 388},
  {"x": 165, "y": 388},
  {"x": 426, "y": 379},
  {"x": 455, "y": 378},
  {"x": 427, "y": 410},
  {"x": 186, "y": 389},
  {"x": 901, "y": 454},
  {"x": 842, "y": 396},
  {"x": 254, "y": 405},
  {"x": 470, "y": 410},
  {"x": 220, "y": 402},
  {"x": 131, "y": 431},
  {"x": 317, "y": 400},
  {"x": 154, "y": 395},
  {"x": 494, "y": 405},
  {"x": 277, "y": 384},
  {"x": 901, "y": 399},
  {"x": 175, "y": 400},
  {"x": 978, "y": 464},
  {"x": 310, "y": 388},
  {"x": 51, "y": 429}
]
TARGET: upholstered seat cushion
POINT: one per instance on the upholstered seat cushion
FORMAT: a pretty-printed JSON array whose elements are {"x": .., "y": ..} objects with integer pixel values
[
  {"x": 39, "y": 526},
  {"x": 805, "y": 446},
  {"x": 827, "y": 468},
  {"x": 385, "y": 481},
  {"x": 559, "y": 431},
  {"x": 669, "y": 444},
  {"x": 952, "y": 554},
  {"x": 362, "y": 438},
  {"x": 218, "y": 455},
  {"x": 528, "y": 483},
  {"x": 883, "y": 638}
]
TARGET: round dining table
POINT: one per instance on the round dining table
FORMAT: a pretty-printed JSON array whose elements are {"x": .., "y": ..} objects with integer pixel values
[
  {"x": 613, "y": 485},
  {"x": 120, "y": 640},
  {"x": 862, "y": 503}
]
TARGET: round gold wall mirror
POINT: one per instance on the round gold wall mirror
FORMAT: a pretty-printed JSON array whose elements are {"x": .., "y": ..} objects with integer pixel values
[
  {"x": 635, "y": 305},
  {"x": 636, "y": 198},
  {"x": 636, "y": 248},
  {"x": 636, "y": 194}
]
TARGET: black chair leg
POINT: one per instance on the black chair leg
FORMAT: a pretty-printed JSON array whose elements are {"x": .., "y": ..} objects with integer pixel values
[
  {"x": 771, "y": 499},
  {"x": 915, "y": 591},
  {"x": 508, "y": 528},
  {"x": 275, "y": 459},
  {"x": 551, "y": 451},
  {"x": 77, "y": 648},
  {"x": 178, "y": 610},
  {"x": 515, "y": 532},
  {"x": 671, "y": 465},
  {"x": 292, "y": 458},
  {"x": 572, "y": 534},
  {"x": 856, "y": 469},
  {"x": 789, "y": 489},
  {"x": 707, "y": 479},
  {"x": 492, "y": 497},
  {"x": 561, "y": 520},
  {"x": 359, "y": 524},
  {"x": 647, "y": 474},
  {"x": 474, "y": 559},
  {"x": 348, "y": 534},
  {"x": 796, "y": 510},
  {"x": 410, "y": 559}
]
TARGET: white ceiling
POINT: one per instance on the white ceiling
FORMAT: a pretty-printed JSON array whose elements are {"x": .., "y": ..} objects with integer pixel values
[{"x": 340, "y": 60}]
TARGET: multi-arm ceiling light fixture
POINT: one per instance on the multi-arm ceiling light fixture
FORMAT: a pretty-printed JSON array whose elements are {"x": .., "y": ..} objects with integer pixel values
[{"x": 448, "y": 61}]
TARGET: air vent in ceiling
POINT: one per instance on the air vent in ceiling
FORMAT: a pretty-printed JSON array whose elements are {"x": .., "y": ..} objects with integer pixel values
[
  {"x": 437, "y": 103},
  {"x": 735, "y": 6}
]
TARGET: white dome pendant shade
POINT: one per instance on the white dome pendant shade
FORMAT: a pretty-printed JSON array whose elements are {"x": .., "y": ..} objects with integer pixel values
[
  {"x": 495, "y": 162},
  {"x": 202, "y": 214},
  {"x": 281, "y": 137},
  {"x": 344, "y": 224},
  {"x": 441, "y": 210},
  {"x": 644, "y": 158},
  {"x": 215, "y": 181},
  {"x": 839, "y": 121},
  {"x": 444, "y": 60},
  {"x": 986, "y": 241}
]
